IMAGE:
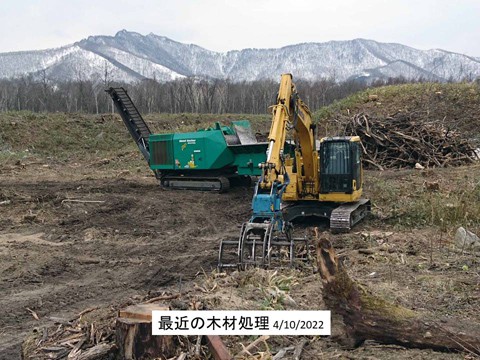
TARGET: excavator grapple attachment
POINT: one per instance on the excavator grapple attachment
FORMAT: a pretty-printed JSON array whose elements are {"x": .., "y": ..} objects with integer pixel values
[{"x": 259, "y": 245}]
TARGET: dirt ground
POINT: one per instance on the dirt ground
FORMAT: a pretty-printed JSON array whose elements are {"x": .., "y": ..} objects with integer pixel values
[
  {"x": 58, "y": 256},
  {"x": 73, "y": 237}
]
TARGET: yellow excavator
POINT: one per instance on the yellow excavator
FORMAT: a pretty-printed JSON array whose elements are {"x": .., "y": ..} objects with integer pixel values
[{"x": 306, "y": 182}]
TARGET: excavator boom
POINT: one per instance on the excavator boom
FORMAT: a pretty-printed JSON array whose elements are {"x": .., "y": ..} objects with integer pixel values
[{"x": 281, "y": 116}]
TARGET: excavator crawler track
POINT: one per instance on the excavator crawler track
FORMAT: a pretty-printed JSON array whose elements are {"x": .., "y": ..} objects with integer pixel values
[{"x": 345, "y": 216}]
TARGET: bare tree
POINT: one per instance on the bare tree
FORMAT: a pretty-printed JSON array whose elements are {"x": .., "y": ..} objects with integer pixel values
[{"x": 182, "y": 95}]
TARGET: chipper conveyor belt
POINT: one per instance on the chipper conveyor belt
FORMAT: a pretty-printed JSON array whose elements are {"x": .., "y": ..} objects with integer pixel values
[{"x": 133, "y": 120}]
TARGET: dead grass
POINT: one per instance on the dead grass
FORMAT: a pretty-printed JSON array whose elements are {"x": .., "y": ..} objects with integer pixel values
[
  {"x": 418, "y": 269},
  {"x": 401, "y": 198},
  {"x": 456, "y": 105},
  {"x": 264, "y": 289},
  {"x": 81, "y": 137},
  {"x": 101, "y": 142}
]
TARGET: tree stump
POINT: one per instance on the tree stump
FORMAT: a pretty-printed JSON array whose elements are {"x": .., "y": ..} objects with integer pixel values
[
  {"x": 367, "y": 316},
  {"x": 134, "y": 337}
]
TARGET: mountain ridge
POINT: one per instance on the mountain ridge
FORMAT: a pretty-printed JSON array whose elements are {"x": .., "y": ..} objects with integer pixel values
[{"x": 130, "y": 56}]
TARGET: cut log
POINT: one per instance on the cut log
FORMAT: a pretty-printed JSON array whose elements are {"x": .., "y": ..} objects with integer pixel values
[
  {"x": 134, "y": 337},
  {"x": 252, "y": 345},
  {"x": 368, "y": 317},
  {"x": 99, "y": 351}
]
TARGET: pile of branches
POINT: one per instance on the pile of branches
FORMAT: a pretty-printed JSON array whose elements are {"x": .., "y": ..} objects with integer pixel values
[
  {"x": 73, "y": 338},
  {"x": 90, "y": 335},
  {"x": 401, "y": 141}
]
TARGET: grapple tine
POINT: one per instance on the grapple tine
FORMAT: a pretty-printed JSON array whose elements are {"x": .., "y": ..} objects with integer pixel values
[{"x": 259, "y": 245}]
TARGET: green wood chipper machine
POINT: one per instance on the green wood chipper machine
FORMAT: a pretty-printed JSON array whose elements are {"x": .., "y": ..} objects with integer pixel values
[{"x": 208, "y": 159}]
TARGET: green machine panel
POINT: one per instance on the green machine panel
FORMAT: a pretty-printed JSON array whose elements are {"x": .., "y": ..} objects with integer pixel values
[
  {"x": 219, "y": 147},
  {"x": 201, "y": 150},
  {"x": 247, "y": 158},
  {"x": 161, "y": 151}
]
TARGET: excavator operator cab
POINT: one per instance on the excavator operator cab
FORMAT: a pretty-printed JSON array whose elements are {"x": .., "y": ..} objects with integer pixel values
[{"x": 340, "y": 166}]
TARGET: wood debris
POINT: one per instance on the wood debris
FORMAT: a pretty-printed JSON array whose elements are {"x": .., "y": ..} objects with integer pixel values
[
  {"x": 218, "y": 348},
  {"x": 403, "y": 141},
  {"x": 34, "y": 314},
  {"x": 75, "y": 339},
  {"x": 162, "y": 298},
  {"x": 91, "y": 335},
  {"x": 253, "y": 345},
  {"x": 368, "y": 317},
  {"x": 83, "y": 201}
]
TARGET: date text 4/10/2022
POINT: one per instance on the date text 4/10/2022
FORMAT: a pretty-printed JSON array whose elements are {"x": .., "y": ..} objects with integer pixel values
[{"x": 239, "y": 322}]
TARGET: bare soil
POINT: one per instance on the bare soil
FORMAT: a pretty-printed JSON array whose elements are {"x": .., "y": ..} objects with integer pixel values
[
  {"x": 126, "y": 238},
  {"x": 58, "y": 256},
  {"x": 76, "y": 236}
]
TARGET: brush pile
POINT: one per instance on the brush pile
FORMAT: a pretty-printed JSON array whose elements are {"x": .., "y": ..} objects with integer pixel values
[
  {"x": 401, "y": 141},
  {"x": 75, "y": 338},
  {"x": 90, "y": 335}
]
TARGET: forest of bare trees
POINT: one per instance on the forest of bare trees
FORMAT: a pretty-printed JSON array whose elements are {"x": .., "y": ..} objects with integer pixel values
[{"x": 187, "y": 95}]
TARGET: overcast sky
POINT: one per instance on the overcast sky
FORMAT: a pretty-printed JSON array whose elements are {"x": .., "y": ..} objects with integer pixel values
[{"x": 223, "y": 25}]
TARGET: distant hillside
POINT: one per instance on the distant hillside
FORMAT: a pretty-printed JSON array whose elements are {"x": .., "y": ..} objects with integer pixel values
[
  {"x": 129, "y": 56},
  {"x": 83, "y": 137},
  {"x": 455, "y": 105}
]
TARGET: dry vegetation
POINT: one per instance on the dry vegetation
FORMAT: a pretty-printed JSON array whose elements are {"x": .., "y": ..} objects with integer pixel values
[
  {"x": 137, "y": 242},
  {"x": 457, "y": 105},
  {"x": 68, "y": 137},
  {"x": 434, "y": 125}
]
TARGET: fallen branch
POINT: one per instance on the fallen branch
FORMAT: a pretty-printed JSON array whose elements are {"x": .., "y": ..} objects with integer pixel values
[
  {"x": 283, "y": 352},
  {"x": 97, "y": 352},
  {"x": 253, "y": 345},
  {"x": 379, "y": 167},
  {"x": 34, "y": 314},
  {"x": 298, "y": 349},
  {"x": 198, "y": 346},
  {"x": 83, "y": 201},
  {"x": 162, "y": 297},
  {"x": 86, "y": 311},
  {"x": 218, "y": 348}
]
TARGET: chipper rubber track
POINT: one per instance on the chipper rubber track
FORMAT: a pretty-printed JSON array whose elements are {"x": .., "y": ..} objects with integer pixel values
[
  {"x": 259, "y": 245},
  {"x": 219, "y": 184}
]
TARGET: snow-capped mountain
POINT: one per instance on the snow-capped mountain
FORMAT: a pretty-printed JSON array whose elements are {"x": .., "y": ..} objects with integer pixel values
[{"x": 129, "y": 56}]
